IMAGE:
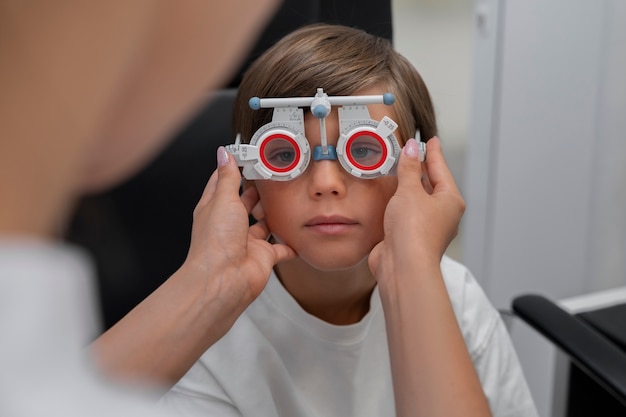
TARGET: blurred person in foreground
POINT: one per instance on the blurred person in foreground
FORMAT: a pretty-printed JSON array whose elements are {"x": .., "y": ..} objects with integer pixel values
[{"x": 91, "y": 91}]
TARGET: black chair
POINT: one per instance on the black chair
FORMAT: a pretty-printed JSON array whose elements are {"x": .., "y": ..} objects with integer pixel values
[
  {"x": 373, "y": 16},
  {"x": 595, "y": 344},
  {"x": 138, "y": 232}
]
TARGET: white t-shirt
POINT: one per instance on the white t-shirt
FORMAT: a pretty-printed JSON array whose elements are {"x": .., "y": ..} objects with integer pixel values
[
  {"x": 47, "y": 316},
  {"x": 278, "y": 360}
]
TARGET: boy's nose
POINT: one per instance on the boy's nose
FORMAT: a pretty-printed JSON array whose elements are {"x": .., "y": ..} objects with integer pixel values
[{"x": 326, "y": 178}]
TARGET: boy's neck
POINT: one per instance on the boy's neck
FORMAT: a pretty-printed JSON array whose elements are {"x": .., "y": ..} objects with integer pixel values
[{"x": 337, "y": 297}]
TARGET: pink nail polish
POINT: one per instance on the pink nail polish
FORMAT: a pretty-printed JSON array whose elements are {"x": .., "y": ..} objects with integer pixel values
[
  {"x": 411, "y": 149},
  {"x": 222, "y": 156}
]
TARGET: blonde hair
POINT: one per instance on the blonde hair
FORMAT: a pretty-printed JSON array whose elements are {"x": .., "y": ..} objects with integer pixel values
[{"x": 341, "y": 60}]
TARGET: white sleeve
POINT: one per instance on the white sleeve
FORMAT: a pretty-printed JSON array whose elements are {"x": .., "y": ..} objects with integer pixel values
[{"x": 47, "y": 315}]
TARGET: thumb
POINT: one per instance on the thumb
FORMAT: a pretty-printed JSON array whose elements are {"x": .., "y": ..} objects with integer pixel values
[
  {"x": 225, "y": 178},
  {"x": 438, "y": 172},
  {"x": 410, "y": 166},
  {"x": 229, "y": 177}
]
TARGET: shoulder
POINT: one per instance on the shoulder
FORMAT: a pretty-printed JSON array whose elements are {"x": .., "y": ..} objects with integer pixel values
[
  {"x": 488, "y": 343},
  {"x": 464, "y": 290},
  {"x": 476, "y": 316},
  {"x": 264, "y": 324}
]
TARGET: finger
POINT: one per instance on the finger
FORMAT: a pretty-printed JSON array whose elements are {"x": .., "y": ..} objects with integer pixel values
[
  {"x": 283, "y": 252},
  {"x": 259, "y": 230},
  {"x": 229, "y": 178},
  {"x": 438, "y": 172},
  {"x": 278, "y": 252},
  {"x": 410, "y": 166},
  {"x": 250, "y": 198},
  {"x": 426, "y": 182},
  {"x": 257, "y": 211},
  {"x": 209, "y": 190}
]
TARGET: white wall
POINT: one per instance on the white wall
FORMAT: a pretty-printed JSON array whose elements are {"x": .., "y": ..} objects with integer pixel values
[
  {"x": 545, "y": 177},
  {"x": 436, "y": 36}
]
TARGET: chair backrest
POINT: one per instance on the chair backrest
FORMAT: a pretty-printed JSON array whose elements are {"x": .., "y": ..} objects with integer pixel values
[{"x": 597, "y": 382}]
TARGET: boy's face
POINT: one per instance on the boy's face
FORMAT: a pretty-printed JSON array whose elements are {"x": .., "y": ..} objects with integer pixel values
[{"x": 331, "y": 218}]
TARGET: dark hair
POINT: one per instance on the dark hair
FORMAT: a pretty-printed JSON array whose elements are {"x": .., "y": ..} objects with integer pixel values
[{"x": 341, "y": 60}]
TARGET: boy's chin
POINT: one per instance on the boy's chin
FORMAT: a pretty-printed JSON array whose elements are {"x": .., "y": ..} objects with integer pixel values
[
  {"x": 329, "y": 258},
  {"x": 331, "y": 263}
]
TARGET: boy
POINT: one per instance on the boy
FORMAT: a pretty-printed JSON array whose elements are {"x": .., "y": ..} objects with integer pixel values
[{"x": 316, "y": 341}]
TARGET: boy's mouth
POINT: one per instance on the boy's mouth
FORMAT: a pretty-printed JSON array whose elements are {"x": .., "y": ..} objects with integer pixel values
[
  {"x": 331, "y": 225},
  {"x": 334, "y": 219}
]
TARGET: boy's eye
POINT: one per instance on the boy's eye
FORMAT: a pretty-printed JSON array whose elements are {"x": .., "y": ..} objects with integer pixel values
[
  {"x": 282, "y": 157},
  {"x": 279, "y": 153},
  {"x": 362, "y": 152},
  {"x": 366, "y": 151}
]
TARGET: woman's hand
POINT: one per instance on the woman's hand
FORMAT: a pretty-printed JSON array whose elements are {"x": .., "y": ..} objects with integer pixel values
[
  {"x": 234, "y": 258},
  {"x": 430, "y": 363},
  {"x": 423, "y": 216},
  {"x": 227, "y": 267}
]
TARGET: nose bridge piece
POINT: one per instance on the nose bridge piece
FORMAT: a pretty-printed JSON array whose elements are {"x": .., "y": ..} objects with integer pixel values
[{"x": 319, "y": 153}]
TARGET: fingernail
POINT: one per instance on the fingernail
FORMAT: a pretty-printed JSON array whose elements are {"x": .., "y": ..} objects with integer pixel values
[
  {"x": 222, "y": 156},
  {"x": 411, "y": 149}
]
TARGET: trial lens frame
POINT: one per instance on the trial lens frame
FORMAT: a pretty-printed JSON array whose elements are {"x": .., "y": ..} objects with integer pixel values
[{"x": 279, "y": 150}]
